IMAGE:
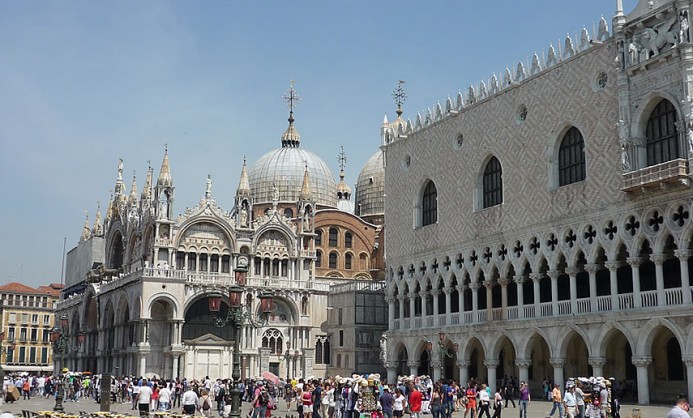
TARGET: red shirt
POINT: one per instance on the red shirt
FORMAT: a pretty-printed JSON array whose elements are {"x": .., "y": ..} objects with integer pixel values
[{"x": 415, "y": 401}]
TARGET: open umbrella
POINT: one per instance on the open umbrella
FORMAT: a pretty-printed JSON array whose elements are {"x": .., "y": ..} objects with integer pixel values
[{"x": 270, "y": 377}]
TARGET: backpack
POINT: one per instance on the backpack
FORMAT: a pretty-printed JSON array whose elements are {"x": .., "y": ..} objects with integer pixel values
[
  {"x": 205, "y": 404},
  {"x": 264, "y": 398}
]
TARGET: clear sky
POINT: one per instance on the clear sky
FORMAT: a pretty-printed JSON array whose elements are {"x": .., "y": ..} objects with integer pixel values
[{"x": 84, "y": 83}]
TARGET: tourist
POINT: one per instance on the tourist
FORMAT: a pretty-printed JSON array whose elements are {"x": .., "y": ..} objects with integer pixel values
[
  {"x": 498, "y": 403},
  {"x": 204, "y": 404},
  {"x": 415, "y": 401},
  {"x": 307, "y": 400},
  {"x": 144, "y": 397},
  {"x": 484, "y": 401},
  {"x": 525, "y": 398},
  {"x": 471, "y": 400},
  {"x": 189, "y": 401},
  {"x": 316, "y": 398},
  {"x": 580, "y": 398},
  {"x": 165, "y": 397},
  {"x": 557, "y": 401},
  {"x": 399, "y": 403},
  {"x": 436, "y": 404},
  {"x": 680, "y": 410},
  {"x": 386, "y": 402},
  {"x": 570, "y": 402}
]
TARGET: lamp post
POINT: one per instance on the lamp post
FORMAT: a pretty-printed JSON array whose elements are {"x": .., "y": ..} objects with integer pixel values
[
  {"x": 238, "y": 316},
  {"x": 287, "y": 358},
  {"x": 443, "y": 352},
  {"x": 61, "y": 345}
]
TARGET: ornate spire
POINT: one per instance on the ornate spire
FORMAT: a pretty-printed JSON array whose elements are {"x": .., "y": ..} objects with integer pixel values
[
  {"x": 244, "y": 183},
  {"x": 165, "y": 171},
  {"x": 133, "y": 190},
  {"x": 97, "y": 229},
  {"x": 86, "y": 230},
  {"x": 305, "y": 188},
  {"x": 400, "y": 97},
  {"x": 343, "y": 191},
  {"x": 291, "y": 138},
  {"x": 147, "y": 190}
]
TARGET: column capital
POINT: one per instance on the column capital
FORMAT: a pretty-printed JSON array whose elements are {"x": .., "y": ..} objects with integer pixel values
[
  {"x": 447, "y": 290},
  {"x": 474, "y": 286},
  {"x": 412, "y": 295},
  {"x": 423, "y": 294},
  {"x": 402, "y": 298},
  {"x": 553, "y": 274},
  {"x": 643, "y": 361},
  {"x": 591, "y": 268},
  {"x": 536, "y": 276},
  {"x": 488, "y": 284},
  {"x": 688, "y": 361},
  {"x": 463, "y": 363},
  {"x": 504, "y": 282},
  {"x": 523, "y": 362},
  {"x": 557, "y": 361},
  {"x": 390, "y": 299},
  {"x": 519, "y": 279},
  {"x": 461, "y": 287},
  {"x": 413, "y": 364},
  {"x": 435, "y": 292},
  {"x": 658, "y": 259},
  {"x": 634, "y": 261},
  {"x": 572, "y": 271},
  {"x": 596, "y": 361},
  {"x": 683, "y": 254},
  {"x": 491, "y": 363},
  {"x": 612, "y": 265}
]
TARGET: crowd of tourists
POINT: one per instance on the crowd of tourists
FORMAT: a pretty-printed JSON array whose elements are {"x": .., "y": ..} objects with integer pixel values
[{"x": 338, "y": 397}]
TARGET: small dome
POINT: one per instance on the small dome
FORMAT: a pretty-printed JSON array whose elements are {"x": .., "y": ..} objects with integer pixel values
[
  {"x": 284, "y": 168},
  {"x": 370, "y": 187}
]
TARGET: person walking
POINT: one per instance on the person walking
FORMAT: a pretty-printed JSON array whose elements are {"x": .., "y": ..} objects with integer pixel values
[
  {"x": 525, "y": 398},
  {"x": 498, "y": 403},
  {"x": 386, "y": 401},
  {"x": 144, "y": 397},
  {"x": 471, "y": 395},
  {"x": 400, "y": 402},
  {"x": 508, "y": 394},
  {"x": 557, "y": 400},
  {"x": 189, "y": 400},
  {"x": 680, "y": 410},
  {"x": 436, "y": 401},
  {"x": 415, "y": 401},
  {"x": 484, "y": 401}
]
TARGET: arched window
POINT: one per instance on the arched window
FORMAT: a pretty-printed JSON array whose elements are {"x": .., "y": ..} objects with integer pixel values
[
  {"x": 288, "y": 212},
  {"x": 493, "y": 183},
  {"x": 318, "y": 237},
  {"x": 348, "y": 238},
  {"x": 347, "y": 261},
  {"x": 429, "y": 204},
  {"x": 304, "y": 305},
  {"x": 571, "y": 158},
  {"x": 334, "y": 233},
  {"x": 318, "y": 258},
  {"x": 662, "y": 138},
  {"x": 273, "y": 339},
  {"x": 322, "y": 349},
  {"x": 333, "y": 260}
]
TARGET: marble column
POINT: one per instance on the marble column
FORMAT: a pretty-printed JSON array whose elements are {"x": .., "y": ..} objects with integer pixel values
[
  {"x": 523, "y": 366},
  {"x": 423, "y": 294},
  {"x": 519, "y": 280},
  {"x": 436, "y": 307},
  {"x": 401, "y": 298},
  {"x": 488, "y": 284},
  {"x": 412, "y": 307},
  {"x": 572, "y": 277},
  {"x": 683, "y": 256},
  {"x": 643, "y": 364},
  {"x": 448, "y": 303},
  {"x": 613, "y": 282},
  {"x": 391, "y": 374},
  {"x": 536, "y": 277},
  {"x": 463, "y": 366},
  {"x": 635, "y": 267},
  {"x": 558, "y": 376},
  {"x": 413, "y": 367},
  {"x": 503, "y": 282},
  {"x": 689, "y": 373},
  {"x": 553, "y": 275},
  {"x": 176, "y": 361},
  {"x": 491, "y": 365},
  {"x": 460, "y": 298},
  {"x": 658, "y": 260},
  {"x": 390, "y": 312},
  {"x": 475, "y": 301},
  {"x": 592, "y": 269},
  {"x": 597, "y": 364}
]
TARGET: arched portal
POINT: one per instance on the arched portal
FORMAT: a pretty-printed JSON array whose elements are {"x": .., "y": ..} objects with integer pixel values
[
  {"x": 619, "y": 363},
  {"x": 667, "y": 375},
  {"x": 160, "y": 335},
  {"x": 576, "y": 357},
  {"x": 199, "y": 321},
  {"x": 540, "y": 369},
  {"x": 402, "y": 361},
  {"x": 424, "y": 364}
]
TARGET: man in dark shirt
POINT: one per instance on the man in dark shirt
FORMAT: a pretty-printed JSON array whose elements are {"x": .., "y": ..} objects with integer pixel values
[
  {"x": 317, "y": 396},
  {"x": 386, "y": 400}
]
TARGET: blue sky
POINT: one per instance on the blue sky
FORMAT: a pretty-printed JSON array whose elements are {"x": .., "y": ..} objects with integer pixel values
[{"x": 83, "y": 83}]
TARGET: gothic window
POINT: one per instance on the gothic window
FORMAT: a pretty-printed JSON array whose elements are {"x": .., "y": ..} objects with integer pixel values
[
  {"x": 322, "y": 349},
  {"x": 318, "y": 258},
  {"x": 571, "y": 158},
  {"x": 492, "y": 184},
  {"x": 429, "y": 204},
  {"x": 348, "y": 238},
  {"x": 334, "y": 233},
  {"x": 304, "y": 305},
  {"x": 347, "y": 261},
  {"x": 273, "y": 339},
  {"x": 333, "y": 260},
  {"x": 662, "y": 138},
  {"x": 318, "y": 237}
]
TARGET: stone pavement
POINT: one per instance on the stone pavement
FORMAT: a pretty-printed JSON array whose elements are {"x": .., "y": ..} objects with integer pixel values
[{"x": 537, "y": 409}]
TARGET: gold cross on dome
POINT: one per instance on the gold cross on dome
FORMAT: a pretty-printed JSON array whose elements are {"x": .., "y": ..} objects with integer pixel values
[{"x": 291, "y": 97}]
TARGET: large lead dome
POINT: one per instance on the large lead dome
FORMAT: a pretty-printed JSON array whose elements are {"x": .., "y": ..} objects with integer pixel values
[
  {"x": 284, "y": 168},
  {"x": 370, "y": 187}
]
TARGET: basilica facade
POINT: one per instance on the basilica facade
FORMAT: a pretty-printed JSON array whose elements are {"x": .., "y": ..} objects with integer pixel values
[
  {"x": 140, "y": 280},
  {"x": 539, "y": 222}
]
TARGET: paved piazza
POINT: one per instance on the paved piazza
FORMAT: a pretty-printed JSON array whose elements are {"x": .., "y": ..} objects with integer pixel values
[{"x": 537, "y": 409}]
